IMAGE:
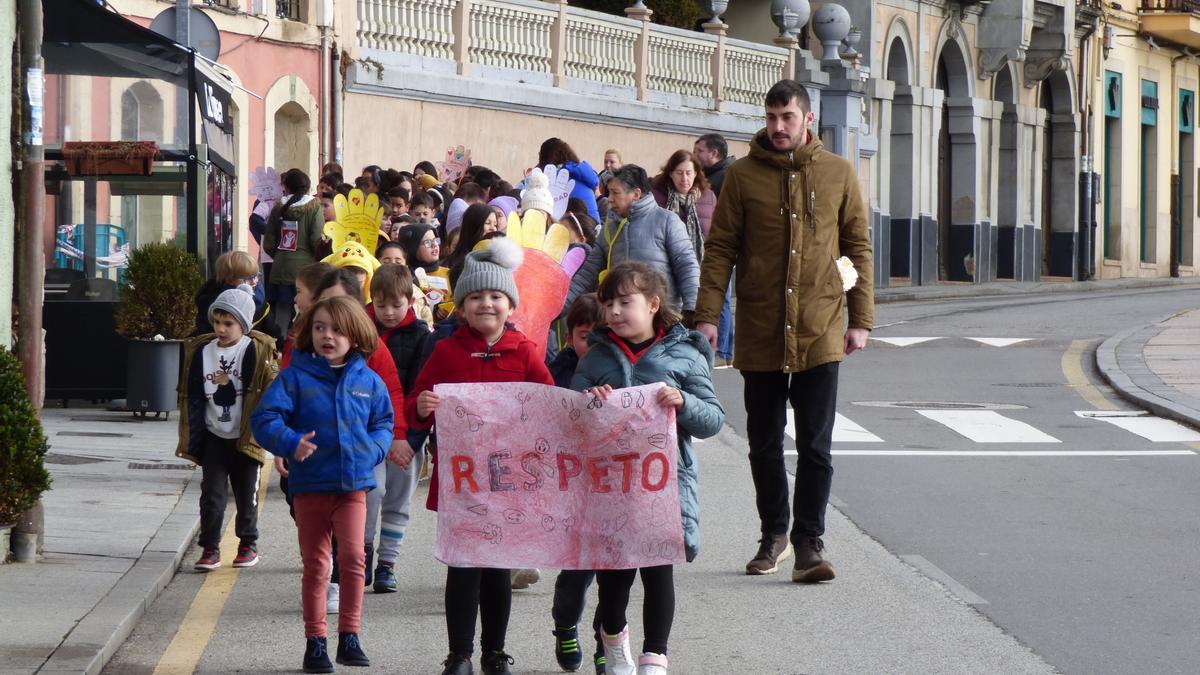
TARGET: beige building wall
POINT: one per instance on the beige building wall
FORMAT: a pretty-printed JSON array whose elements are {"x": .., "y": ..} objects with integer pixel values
[
  {"x": 505, "y": 142},
  {"x": 1136, "y": 62}
]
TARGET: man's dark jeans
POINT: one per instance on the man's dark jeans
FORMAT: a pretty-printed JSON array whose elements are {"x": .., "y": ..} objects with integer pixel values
[{"x": 813, "y": 395}]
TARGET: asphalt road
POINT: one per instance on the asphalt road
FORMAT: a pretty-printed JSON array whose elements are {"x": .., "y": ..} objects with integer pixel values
[
  {"x": 1066, "y": 560},
  {"x": 1088, "y": 560}
]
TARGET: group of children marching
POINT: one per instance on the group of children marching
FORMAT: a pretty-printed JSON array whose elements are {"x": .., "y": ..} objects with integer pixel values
[{"x": 348, "y": 408}]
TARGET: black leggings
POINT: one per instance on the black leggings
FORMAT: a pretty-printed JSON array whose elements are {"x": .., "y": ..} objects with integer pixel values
[
  {"x": 658, "y": 607},
  {"x": 476, "y": 590}
]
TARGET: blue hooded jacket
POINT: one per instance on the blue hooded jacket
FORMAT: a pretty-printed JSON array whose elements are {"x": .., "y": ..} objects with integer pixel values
[
  {"x": 350, "y": 411},
  {"x": 681, "y": 359},
  {"x": 586, "y": 182}
]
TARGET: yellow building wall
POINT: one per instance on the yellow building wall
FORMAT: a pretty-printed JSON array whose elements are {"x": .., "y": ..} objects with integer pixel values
[
  {"x": 505, "y": 142},
  {"x": 1136, "y": 62}
]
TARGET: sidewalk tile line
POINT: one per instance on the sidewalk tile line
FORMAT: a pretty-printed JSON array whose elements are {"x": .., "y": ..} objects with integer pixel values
[{"x": 195, "y": 630}]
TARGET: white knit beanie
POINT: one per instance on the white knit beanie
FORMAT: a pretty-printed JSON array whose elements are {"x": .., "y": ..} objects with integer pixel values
[
  {"x": 490, "y": 268},
  {"x": 236, "y": 301},
  {"x": 536, "y": 194}
]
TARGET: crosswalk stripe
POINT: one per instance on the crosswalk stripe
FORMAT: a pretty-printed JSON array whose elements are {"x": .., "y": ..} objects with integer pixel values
[
  {"x": 999, "y": 342},
  {"x": 988, "y": 426},
  {"x": 1149, "y": 427},
  {"x": 845, "y": 430},
  {"x": 904, "y": 341},
  {"x": 1009, "y": 453}
]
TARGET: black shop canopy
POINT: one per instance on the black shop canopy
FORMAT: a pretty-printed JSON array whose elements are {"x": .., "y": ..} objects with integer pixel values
[{"x": 81, "y": 37}]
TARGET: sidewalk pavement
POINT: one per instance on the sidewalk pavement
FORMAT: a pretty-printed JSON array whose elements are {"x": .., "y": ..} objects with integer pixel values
[
  {"x": 121, "y": 512},
  {"x": 1157, "y": 366}
]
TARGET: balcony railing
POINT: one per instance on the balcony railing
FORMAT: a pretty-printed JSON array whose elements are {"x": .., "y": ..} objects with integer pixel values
[
  {"x": 1171, "y": 6},
  {"x": 577, "y": 49}
]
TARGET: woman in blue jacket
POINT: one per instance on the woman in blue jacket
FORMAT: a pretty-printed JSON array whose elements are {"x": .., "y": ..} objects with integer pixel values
[
  {"x": 331, "y": 416},
  {"x": 556, "y": 151},
  {"x": 644, "y": 343}
]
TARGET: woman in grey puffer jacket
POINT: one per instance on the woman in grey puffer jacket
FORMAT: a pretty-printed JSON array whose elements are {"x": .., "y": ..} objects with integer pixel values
[{"x": 639, "y": 229}]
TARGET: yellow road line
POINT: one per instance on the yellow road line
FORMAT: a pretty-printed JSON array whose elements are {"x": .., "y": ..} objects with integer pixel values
[
  {"x": 196, "y": 629},
  {"x": 1072, "y": 367}
]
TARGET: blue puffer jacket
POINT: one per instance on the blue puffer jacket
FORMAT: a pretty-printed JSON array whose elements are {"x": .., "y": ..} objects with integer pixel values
[
  {"x": 586, "y": 182},
  {"x": 681, "y": 359},
  {"x": 350, "y": 411}
]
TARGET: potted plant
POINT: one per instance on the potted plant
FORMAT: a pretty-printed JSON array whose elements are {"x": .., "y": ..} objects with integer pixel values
[
  {"x": 157, "y": 311},
  {"x": 23, "y": 446}
]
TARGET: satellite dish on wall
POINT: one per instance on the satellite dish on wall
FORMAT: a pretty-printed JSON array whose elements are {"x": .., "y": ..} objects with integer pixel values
[{"x": 203, "y": 32}]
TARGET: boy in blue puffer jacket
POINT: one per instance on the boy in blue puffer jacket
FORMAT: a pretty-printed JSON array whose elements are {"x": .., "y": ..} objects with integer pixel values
[
  {"x": 331, "y": 417},
  {"x": 644, "y": 343}
]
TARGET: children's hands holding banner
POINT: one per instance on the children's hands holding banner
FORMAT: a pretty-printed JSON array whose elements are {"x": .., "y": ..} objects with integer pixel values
[
  {"x": 427, "y": 402},
  {"x": 669, "y": 397}
]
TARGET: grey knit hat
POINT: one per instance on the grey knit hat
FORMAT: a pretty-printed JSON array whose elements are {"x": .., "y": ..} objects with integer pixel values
[
  {"x": 490, "y": 268},
  {"x": 236, "y": 301}
]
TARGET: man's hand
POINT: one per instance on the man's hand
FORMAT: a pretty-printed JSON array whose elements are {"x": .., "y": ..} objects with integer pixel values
[
  {"x": 856, "y": 339},
  {"x": 709, "y": 331},
  {"x": 281, "y": 467},
  {"x": 427, "y": 402},
  {"x": 400, "y": 454},
  {"x": 305, "y": 447}
]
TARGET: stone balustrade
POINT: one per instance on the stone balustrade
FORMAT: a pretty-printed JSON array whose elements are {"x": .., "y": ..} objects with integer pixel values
[{"x": 577, "y": 49}]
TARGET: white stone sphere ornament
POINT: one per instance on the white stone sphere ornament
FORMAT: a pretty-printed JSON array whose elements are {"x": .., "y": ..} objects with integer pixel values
[{"x": 831, "y": 24}]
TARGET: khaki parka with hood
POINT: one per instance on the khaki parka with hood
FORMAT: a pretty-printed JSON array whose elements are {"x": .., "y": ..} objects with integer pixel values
[{"x": 783, "y": 219}]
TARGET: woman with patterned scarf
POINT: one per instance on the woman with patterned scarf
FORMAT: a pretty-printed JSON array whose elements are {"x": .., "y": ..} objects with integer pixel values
[{"x": 682, "y": 189}]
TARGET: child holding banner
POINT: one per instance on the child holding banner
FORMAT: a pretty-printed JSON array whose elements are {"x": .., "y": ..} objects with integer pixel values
[
  {"x": 484, "y": 349},
  {"x": 644, "y": 343},
  {"x": 331, "y": 417}
]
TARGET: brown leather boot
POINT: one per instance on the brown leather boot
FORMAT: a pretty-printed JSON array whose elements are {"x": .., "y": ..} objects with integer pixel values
[
  {"x": 810, "y": 566},
  {"x": 772, "y": 550}
]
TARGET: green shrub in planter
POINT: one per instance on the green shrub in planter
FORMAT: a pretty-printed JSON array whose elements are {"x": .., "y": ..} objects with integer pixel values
[
  {"x": 158, "y": 294},
  {"x": 23, "y": 446}
]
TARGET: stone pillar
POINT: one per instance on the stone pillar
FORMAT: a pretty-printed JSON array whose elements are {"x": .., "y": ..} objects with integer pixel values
[
  {"x": 883, "y": 92},
  {"x": 461, "y": 22},
  {"x": 719, "y": 29},
  {"x": 641, "y": 49},
  {"x": 558, "y": 45}
]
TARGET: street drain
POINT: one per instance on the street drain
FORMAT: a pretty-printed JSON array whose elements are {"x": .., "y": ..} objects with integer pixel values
[
  {"x": 95, "y": 434},
  {"x": 162, "y": 466},
  {"x": 939, "y": 405},
  {"x": 69, "y": 460}
]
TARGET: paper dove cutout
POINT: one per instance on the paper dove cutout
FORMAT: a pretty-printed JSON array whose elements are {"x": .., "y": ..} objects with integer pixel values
[
  {"x": 265, "y": 184},
  {"x": 358, "y": 219}
]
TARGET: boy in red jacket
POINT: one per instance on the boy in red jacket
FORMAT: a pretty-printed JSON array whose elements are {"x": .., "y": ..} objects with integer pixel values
[{"x": 485, "y": 349}]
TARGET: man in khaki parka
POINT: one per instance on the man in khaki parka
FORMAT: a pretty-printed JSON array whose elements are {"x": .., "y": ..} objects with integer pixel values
[{"x": 786, "y": 213}]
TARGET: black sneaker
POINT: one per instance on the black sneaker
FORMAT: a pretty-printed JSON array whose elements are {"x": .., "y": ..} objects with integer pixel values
[
  {"x": 316, "y": 656},
  {"x": 566, "y": 648},
  {"x": 600, "y": 664},
  {"x": 811, "y": 567},
  {"x": 209, "y": 560},
  {"x": 385, "y": 579},
  {"x": 772, "y": 550},
  {"x": 496, "y": 663},
  {"x": 350, "y": 651},
  {"x": 457, "y": 665}
]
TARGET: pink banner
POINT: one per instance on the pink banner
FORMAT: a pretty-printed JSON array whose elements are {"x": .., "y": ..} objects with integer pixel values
[{"x": 536, "y": 476}]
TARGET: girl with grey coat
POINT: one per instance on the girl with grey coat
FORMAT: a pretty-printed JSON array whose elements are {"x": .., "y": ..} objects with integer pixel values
[
  {"x": 639, "y": 229},
  {"x": 619, "y": 356}
]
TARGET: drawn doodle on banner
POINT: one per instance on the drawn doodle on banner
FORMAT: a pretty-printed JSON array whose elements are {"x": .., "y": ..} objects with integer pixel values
[{"x": 535, "y": 476}]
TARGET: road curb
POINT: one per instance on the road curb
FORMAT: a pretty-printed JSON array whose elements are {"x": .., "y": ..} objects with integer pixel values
[
  {"x": 1122, "y": 363},
  {"x": 99, "y": 634},
  {"x": 1011, "y": 289}
]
